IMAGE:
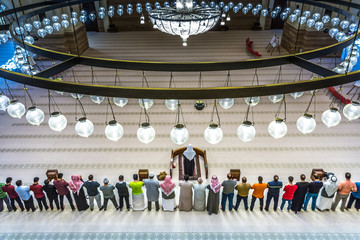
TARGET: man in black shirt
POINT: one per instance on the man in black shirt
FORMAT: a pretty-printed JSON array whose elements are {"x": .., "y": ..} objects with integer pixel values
[
  {"x": 123, "y": 193},
  {"x": 51, "y": 194},
  {"x": 93, "y": 192},
  {"x": 313, "y": 192}
]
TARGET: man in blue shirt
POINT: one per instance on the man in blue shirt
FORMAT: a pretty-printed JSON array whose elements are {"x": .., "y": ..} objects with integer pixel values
[
  {"x": 273, "y": 192},
  {"x": 24, "y": 193}
]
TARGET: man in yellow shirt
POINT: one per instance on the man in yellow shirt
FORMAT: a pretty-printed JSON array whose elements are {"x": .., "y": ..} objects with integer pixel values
[
  {"x": 243, "y": 189},
  {"x": 258, "y": 193}
]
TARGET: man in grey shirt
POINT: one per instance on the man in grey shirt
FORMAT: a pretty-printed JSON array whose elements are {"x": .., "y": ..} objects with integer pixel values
[
  {"x": 152, "y": 191},
  {"x": 108, "y": 192},
  {"x": 228, "y": 192}
]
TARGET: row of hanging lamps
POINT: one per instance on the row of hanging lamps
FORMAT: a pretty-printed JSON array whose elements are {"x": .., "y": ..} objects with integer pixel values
[
  {"x": 214, "y": 134},
  {"x": 278, "y": 97},
  {"x": 277, "y": 128},
  {"x": 227, "y": 103},
  {"x": 179, "y": 134},
  {"x": 253, "y": 101},
  {"x": 34, "y": 115},
  {"x": 113, "y": 131},
  {"x": 172, "y": 104},
  {"x": 306, "y": 123},
  {"x": 95, "y": 99},
  {"x": 119, "y": 101},
  {"x": 246, "y": 131},
  {"x": 200, "y": 104},
  {"x": 145, "y": 103},
  {"x": 57, "y": 120},
  {"x": 84, "y": 127},
  {"x": 145, "y": 132}
]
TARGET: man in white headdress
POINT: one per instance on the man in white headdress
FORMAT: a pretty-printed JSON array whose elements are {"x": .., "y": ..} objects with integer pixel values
[
  {"x": 327, "y": 192},
  {"x": 189, "y": 163}
]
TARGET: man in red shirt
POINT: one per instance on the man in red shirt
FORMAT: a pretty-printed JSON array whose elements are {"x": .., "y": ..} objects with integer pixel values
[
  {"x": 62, "y": 188},
  {"x": 288, "y": 194},
  {"x": 39, "y": 194},
  {"x": 10, "y": 190}
]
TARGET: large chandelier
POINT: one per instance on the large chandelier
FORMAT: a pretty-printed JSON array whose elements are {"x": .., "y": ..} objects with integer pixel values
[{"x": 184, "y": 19}]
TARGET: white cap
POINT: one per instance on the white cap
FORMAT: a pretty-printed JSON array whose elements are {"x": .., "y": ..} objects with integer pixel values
[{"x": 151, "y": 174}]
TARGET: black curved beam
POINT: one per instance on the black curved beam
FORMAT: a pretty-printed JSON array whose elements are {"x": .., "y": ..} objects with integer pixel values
[
  {"x": 181, "y": 67},
  {"x": 182, "y": 93}
]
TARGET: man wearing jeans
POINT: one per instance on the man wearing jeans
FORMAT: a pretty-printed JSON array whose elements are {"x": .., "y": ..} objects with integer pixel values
[
  {"x": 288, "y": 194},
  {"x": 258, "y": 193},
  {"x": 62, "y": 188},
  {"x": 228, "y": 192},
  {"x": 344, "y": 190},
  {"x": 39, "y": 194},
  {"x": 10, "y": 190},
  {"x": 313, "y": 193},
  {"x": 4, "y": 198},
  {"x": 24, "y": 193},
  {"x": 93, "y": 192},
  {"x": 273, "y": 192},
  {"x": 243, "y": 192}
]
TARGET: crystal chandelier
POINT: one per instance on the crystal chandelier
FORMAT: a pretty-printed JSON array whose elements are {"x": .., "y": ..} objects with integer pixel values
[{"x": 184, "y": 19}]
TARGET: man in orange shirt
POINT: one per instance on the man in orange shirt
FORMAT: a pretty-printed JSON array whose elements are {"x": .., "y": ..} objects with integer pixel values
[
  {"x": 344, "y": 189},
  {"x": 258, "y": 193}
]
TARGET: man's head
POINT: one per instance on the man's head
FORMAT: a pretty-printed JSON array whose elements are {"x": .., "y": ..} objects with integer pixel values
[
  {"x": 8, "y": 180},
  {"x": 106, "y": 181},
  {"x": 36, "y": 179},
  {"x": 302, "y": 177},
  {"x": 291, "y": 179},
  {"x": 243, "y": 179},
  {"x": 91, "y": 177},
  {"x": 121, "y": 178},
  {"x": 276, "y": 178},
  {"x": 151, "y": 175},
  {"x": 200, "y": 180},
  {"x": 186, "y": 177},
  {"x": 46, "y": 181},
  {"x": 348, "y": 176},
  {"x": 260, "y": 179},
  {"x": 229, "y": 176},
  {"x": 316, "y": 177},
  {"x": 18, "y": 183},
  {"x": 135, "y": 177},
  {"x": 60, "y": 175}
]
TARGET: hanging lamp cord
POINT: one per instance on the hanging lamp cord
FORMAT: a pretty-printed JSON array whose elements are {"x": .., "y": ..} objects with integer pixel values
[
  {"x": 26, "y": 90},
  {"x": 215, "y": 110},
  {"x": 283, "y": 102}
]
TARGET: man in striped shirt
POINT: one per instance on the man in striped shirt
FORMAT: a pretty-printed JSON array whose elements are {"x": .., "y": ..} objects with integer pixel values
[{"x": 273, "y": 192}]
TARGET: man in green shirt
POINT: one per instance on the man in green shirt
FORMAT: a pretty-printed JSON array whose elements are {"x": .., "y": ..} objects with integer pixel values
[
  {"x": 4, "y": 198},
  {"x": 243, "y": 189}
]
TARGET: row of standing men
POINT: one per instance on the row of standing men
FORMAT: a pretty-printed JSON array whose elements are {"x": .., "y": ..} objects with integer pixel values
[{"x": 296, "y": 195}]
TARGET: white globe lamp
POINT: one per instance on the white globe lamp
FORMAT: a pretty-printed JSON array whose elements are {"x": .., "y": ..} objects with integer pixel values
[
  {"x": 97, "y": 99},
  {"x": 35, "y": 116},
  {"x": 57, "y": 121},
  {"x": 114, "y": 131},
  {"x": 331, "y": 117},
  {"x": 146, "y": 103},
  {"x": 16, "y": 109},
  {"x": 277, "y": 128},
  {"x": 352, "y": 111},
  {"x": 213, "y": 134},
  {"x": 121, "y": 102},
  {"x": 226, "y": 103},
  {"x": 252, "y": 101},
  {"x": 179, "y": 134},
  {"x": 171, "y": 104},
  {"x": 84, "y": 127},
  {"x": 306, "y": 124},
  {"x": 276, "y": 98},
  {"x": 296, "y": 95},
  {"x": 246, "y": 131},
  {"x": 146, "y": 133},
  {"x": 4, "y": 102}
]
